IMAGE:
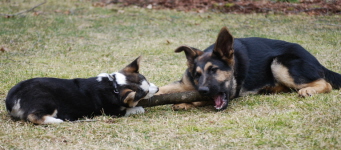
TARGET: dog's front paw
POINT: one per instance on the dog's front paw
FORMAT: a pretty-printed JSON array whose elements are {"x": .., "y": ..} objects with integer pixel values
[
  {"x": 134, "y": 110},
  {"x": 183, "y": 106}
]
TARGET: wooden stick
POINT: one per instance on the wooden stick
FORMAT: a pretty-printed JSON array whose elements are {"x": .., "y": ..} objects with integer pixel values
[{"x": 173, "y": 98}]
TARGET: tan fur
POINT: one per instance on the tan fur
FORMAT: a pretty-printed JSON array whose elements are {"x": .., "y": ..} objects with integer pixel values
[
  {"x": 224, "y": 46},
  {"x": 222, "y": 76},
  {"x": 124, "y": 91},
  {"x": 223, "y": 49},
  {"x": 130, "y": 99},
  {"x": 128, "y": 69},
  {"x": 187, "y": 106},
  {"x": 318, "y": 86},
  {"x": 208, "y": 65},
  {"x": 176, "y": 87},
  {"x": 131, "y": 68},
  {"x": 282, "y": 75},
  {"x": 198, "y": 70},
  {"x": 191, "y": 54},
  {"x": 34, "y": 119},
  {"x": 183, "y": 106}
]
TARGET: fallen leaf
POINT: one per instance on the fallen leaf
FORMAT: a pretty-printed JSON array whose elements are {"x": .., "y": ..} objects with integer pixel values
[
  {"x": 200, "y": 11},
  {"x": 57, "y": 11},
  {"x": 98, "y": 4},
  {"x": 36, "y": 13},
  {"x": 67, "y": 12},
  {"x": 3, "y": 49},
  {"x": 9, "y": 16}
]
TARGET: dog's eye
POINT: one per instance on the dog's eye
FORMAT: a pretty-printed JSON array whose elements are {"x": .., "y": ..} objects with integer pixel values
[
  {"x": 197, "y": 75},
  {"x": 214, "y": 70}
]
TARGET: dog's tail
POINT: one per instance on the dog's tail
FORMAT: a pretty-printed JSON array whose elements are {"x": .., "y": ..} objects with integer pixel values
[{"x": 333, "y": 78}]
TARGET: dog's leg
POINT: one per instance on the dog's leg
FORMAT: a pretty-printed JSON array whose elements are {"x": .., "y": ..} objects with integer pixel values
[
  {"x": 134, "y": 110},
  {"x": 183, "y": 85},
  {"x": 175, "y": 87},
  {"x": 183, "y": 106},
  {"x": 51, "y": 120},
  {"x": 282, "y": 76},
  {"x": 187, "y": 106},
  {"x": 38, "y": 118},
  {"x": 318, "y": 86},
  {"x": 180, "y": 86}
]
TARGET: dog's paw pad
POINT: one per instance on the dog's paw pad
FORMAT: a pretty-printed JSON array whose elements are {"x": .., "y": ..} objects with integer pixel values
[
  {"x": 134, "y": 110},
  {"x": 307, "y": 92}
]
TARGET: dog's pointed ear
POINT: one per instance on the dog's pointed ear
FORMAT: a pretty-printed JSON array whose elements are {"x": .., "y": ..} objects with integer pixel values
[
  {"x": 190, "y": 52},
  {"x": 224, "y": 46},
  {"x": 133, "y": 67}
]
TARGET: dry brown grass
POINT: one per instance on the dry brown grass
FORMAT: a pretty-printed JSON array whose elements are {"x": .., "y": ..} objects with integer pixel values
[{"x": 90, "y": 40}]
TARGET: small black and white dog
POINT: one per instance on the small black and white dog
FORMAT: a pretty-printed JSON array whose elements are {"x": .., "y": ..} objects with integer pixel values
[{"x": 53, "y": 100}]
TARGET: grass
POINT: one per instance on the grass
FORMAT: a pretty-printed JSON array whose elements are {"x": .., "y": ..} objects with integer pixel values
[{"x": 70, "y": 39}]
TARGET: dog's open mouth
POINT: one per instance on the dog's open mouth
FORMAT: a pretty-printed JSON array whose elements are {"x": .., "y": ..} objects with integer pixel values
[{"x": 220, "y": 101}]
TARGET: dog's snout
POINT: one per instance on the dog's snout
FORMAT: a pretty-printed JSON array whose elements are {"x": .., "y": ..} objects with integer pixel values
[
  {"x": 153, "y": 88},
  {"x": 204, "y": 90}
]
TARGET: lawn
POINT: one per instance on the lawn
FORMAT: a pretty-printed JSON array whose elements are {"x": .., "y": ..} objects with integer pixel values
[{"x": 73, "y": 39}]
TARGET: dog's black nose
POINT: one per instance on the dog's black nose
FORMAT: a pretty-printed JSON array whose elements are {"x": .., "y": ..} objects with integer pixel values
[{"x": 204, "y": 90}]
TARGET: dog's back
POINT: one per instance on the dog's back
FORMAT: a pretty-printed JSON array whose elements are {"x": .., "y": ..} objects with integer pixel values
[
  {"x": 68, "y": 99},
  {"x": 235, "y": 67},
  {"x": 254, "y": 56}
]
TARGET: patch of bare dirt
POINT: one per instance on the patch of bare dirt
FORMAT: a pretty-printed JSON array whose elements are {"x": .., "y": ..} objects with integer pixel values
[{"x": 311, "y": 7}]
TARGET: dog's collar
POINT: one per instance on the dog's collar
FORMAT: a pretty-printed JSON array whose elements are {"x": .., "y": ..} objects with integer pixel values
[{"x": 113, "y": 79}]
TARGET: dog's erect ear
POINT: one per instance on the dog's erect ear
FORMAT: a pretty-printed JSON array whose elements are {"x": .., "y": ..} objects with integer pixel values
[
  {"x": 133, "y": 67},
  {"x": 224, "y": 46},
  {"x": 191, "y": 53}
]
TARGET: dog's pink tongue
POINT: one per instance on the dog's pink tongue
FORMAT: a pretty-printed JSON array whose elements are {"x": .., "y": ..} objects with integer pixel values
[{"x": 218, "y": 100}]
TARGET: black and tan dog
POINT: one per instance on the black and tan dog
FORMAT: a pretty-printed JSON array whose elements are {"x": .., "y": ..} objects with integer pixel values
[
  {"x": 53, "y": 100},
  {"x": 235, "y": 67}
]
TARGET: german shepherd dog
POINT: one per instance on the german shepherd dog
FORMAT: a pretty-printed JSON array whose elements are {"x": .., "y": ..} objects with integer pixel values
[
  {"x": 53, "y": 100},
  {"x": 235, "y": 67}
]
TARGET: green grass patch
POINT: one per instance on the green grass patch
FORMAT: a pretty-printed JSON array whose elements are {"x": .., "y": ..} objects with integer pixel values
[{"x": 88, "y": 41}]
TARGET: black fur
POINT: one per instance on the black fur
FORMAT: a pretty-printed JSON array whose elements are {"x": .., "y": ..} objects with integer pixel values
[
  {"x": 235, "y": 67},
  {"x": 52, "y": 100},
  {"x": 254, "y": 55},
  {"x": 74, "y": 98}
]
